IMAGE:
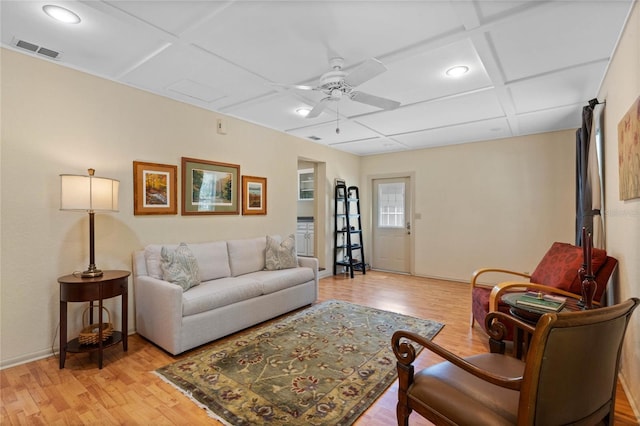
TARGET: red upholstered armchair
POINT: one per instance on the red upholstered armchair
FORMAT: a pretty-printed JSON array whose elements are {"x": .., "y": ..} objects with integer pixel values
[{"x": 556, "y": 273}]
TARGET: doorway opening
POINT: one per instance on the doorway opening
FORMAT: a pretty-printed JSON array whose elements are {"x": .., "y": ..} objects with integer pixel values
[{"x": 311, "y": 209}]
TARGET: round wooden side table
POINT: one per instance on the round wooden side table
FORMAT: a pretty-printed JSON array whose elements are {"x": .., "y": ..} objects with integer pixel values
[{"x": 77, "y": 289}]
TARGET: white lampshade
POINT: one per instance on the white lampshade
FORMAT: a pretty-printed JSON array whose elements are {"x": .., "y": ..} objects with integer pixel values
[{"x": 88, "y": 193}]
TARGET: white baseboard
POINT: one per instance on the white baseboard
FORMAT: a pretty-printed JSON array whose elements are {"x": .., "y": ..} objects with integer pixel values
[
  {"x": 35, "y": 356},
  {"x": 630, "y": 397},
  {"x": 23, "y": 359}
]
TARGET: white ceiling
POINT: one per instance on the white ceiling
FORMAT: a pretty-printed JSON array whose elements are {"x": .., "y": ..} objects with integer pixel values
[{"x": 533, "y": 64}]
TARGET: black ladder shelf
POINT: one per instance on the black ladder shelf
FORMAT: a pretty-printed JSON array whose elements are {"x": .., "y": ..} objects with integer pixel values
[{"x": 349, "y": 249}]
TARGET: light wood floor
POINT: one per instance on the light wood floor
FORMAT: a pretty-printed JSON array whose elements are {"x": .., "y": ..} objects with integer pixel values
[{"x": 126, "y": 392}]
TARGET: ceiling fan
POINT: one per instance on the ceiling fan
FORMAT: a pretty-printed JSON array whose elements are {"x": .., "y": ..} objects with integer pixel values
[{"x": 337, "y": 84}]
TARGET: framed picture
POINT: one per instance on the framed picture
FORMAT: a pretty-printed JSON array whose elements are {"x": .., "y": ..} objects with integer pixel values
[
  {"x": 254, "y": 195},
  {"x": 155, "y": 188},
  {"x": 209, "y": 187},
  {"x": 629, "y": 153}
]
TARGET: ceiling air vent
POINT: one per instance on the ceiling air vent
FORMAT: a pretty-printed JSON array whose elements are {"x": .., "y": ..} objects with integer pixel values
[
  {"x": 48, "y": 52},
  {"x": 26, "y": 45},
  {"x": 314, "y": 138},
  {"x": 37, "y": 49}
]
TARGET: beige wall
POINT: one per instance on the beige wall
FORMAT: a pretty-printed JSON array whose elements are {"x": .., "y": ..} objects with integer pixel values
[
  {"x": 498, "y": 203},
  {"x": 620, "y": 88},
  {"x": 56, "y": 120}
]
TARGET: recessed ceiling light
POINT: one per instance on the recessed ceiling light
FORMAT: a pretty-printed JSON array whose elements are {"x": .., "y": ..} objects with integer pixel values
[
  {"x": 457, "y": 71},
  {"x": 303, "y": 111},
  {"x": 61, "y": 14}
]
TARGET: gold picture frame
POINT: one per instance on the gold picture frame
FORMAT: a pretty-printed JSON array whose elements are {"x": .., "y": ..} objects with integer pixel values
[
  {"x": 209, "y": 187},
  {"x": 254, "y": 195},
  {"x": 155, "y": 188}
]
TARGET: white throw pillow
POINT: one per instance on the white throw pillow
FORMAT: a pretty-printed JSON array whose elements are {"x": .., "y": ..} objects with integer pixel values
[
  {"x": 281, "y": 255},
  {"x": 179, "y": 266}
]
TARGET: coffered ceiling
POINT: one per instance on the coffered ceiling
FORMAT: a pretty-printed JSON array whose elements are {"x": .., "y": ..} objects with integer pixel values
[{"x": 532, "y": 64}]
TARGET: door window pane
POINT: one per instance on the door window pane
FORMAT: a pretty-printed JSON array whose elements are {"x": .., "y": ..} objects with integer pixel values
[{"x": 391, "y": 205}]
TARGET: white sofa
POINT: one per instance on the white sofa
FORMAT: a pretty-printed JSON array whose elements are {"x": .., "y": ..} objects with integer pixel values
[{"x": 236, "y": 292}]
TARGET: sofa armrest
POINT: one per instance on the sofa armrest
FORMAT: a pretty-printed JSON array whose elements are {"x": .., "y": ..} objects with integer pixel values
[
  {"x": 310, "y": 262},
  {"x": 158, "y": 311}
]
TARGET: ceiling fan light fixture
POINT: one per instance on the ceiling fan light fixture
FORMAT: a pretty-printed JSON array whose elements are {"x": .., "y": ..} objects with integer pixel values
[
  {"x": 457, "y": 71},
  {"x": 303, "y": 112},
  {"x": 61, "y": 14}
]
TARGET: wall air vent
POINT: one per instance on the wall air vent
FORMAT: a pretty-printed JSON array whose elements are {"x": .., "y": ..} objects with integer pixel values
[
  {"x": 36, "y": 49},
  {"x": 314, "y": 138}
]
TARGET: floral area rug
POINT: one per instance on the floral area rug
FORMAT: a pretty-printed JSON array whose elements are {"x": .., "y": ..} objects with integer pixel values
[{"x": 324, "y": 365}]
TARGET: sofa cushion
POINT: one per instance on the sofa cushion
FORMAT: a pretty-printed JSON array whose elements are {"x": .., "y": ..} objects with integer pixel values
[
  {"x": 212, "y": 257},
  {"x": 246, "y": 255},
  {"x": 213, "y": 260},
  {"x": 273, "y": 281},
  {"x": 559, "y": 266},
  {"x": 180, "y": 266},
  {"x": 281, "y": 255},
  {"x": 217, "y": 293},
  {"x": 152, "y": 258}
]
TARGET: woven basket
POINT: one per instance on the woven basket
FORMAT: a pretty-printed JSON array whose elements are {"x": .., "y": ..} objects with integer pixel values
[{"x": 90, "y": 333}]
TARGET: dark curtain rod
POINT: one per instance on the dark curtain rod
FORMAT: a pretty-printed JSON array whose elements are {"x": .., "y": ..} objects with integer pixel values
[{"x": 593, "y": 102}]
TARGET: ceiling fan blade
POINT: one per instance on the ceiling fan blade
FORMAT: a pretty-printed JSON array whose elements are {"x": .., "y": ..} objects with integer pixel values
[
  {"x": 364, "y": 72},
  {"x": 294, "y": 86},
  {"x": 320, "y": 106},
  {"x": 375, "y": 101}
]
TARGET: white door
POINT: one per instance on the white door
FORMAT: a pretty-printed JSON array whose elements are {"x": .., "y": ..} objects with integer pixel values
[{"x": 391, "y": 225}]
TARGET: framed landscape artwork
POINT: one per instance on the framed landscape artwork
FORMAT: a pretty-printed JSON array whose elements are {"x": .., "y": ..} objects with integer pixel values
[
  {"x": 254, "y": 195},
  {"x": 209, "y": 187},
  {"x": 629, "y": 153},
  {"x": 155, "y": 188}
]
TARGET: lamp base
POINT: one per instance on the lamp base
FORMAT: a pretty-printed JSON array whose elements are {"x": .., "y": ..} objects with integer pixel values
[{"x": 91, "y": 273}]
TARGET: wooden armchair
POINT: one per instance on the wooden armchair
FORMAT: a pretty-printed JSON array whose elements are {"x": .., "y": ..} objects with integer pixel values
[
  {"x": 569, "y": 375},
  {"x": 556, "y": 273}
]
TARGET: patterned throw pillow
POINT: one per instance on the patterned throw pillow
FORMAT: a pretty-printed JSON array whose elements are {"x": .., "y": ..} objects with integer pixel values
[
  {"x": 559, "y": 266},
  {"x": 281, "y": 255},
  {"x": 180, "y": 266}
]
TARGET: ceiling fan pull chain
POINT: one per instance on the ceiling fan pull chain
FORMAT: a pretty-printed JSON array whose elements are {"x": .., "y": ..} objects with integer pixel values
[{"x": 338, "y": 118}]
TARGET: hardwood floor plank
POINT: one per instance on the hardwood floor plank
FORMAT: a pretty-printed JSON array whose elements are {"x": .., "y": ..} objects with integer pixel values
[{"x": 126, "y": 390}]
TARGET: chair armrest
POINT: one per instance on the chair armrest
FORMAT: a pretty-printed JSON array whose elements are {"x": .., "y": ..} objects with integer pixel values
[
  {"x": 496, "y": 326},
  {"x": 406, "y": 354},
  {"x": 497, "y": 329},
  {"x": 499, "y": 289},
  {"x": 479, "y": 272}
]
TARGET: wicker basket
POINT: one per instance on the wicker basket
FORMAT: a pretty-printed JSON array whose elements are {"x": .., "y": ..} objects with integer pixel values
[{"x": 90, "y": 333}]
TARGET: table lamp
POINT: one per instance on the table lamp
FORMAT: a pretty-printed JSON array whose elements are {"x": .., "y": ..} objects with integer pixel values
[{"x": 91, "y": 194}]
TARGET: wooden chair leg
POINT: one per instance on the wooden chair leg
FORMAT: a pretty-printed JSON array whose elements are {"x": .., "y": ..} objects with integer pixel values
[
  {"x": 405, "y": 378},
  {"x": 402, "y": 413}
]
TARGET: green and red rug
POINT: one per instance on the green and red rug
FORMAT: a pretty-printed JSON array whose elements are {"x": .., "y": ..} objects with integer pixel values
[{"x": 324, "y": 365}]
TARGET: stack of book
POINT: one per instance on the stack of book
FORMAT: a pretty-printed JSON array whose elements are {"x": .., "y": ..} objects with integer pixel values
[{"x": 545, "y": 302}]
